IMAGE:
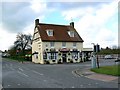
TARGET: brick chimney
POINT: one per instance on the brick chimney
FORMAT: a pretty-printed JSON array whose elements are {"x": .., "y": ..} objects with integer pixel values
[
  {"x": 72, "y": 24},
  {"x": 36, "y": 22}
]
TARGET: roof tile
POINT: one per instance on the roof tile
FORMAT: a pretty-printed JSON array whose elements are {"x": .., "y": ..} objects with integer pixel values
[{"x": 60, "y": 33}]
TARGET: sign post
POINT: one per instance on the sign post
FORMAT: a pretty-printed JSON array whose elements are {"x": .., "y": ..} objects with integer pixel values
[{"x": 96, "y": 48}]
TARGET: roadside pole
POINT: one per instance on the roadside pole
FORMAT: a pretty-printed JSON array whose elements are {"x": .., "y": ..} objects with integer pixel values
[
  {"x": 1, "y": 71},
  {"x": 97, "y": 50},
  {"x": 95, "y": 61}
]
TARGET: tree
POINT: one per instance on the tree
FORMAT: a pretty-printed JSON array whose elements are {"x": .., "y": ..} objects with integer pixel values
[
  {"x": 23, "y": 42},
  {"x": 12, "y": 51}
]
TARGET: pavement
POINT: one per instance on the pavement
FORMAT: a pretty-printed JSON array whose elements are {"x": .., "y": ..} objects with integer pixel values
[{"x": 92, "y": 75}]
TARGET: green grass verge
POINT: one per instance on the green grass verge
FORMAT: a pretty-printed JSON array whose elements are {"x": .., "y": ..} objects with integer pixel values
[{"x": 109, "y": 70}]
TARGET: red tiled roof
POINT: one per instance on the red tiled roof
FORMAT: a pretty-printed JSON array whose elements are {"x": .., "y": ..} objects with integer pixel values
[{"x": 60, "y": 33}]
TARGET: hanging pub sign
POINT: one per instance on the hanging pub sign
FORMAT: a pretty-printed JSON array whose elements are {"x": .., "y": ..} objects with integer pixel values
[{"x": 35, "y": 53}]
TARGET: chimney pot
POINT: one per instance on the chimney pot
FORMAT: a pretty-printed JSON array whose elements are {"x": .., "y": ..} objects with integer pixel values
[
  {"x": 36, "y": 22},
  {"x": 72, "y": 24}
]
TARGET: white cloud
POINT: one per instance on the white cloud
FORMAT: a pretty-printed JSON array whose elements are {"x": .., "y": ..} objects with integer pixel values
[
  {"x": 77, "y": 13},
  {"x": 29, "y": 29},
  {"x": 6, "y": 39},
  {"x": 107, "y": 37},
  {"x": 38, "y": 7},
  {"x": 94, "y": 24}
]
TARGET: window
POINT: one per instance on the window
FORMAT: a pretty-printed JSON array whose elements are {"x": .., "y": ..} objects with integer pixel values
[
  {"x": 36, "y": 35},
  {"x": 50, "y": 32},
  {"x": 52, "y": 56},
  {"x": 74, "y": 55},
  {"x": 63, "y": 44},
  {"x": 52, "y": 44},
  {"x": 36, "y": 55},
  {"x": 44, "y": 55},
  {"x": 74, "y": 44},
  {"x": 71, "y": 33},
  {"x": 46, "y": 45}
]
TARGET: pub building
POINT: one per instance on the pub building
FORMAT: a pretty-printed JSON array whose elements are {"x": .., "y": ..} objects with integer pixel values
[{"x": 54, "y": 43}]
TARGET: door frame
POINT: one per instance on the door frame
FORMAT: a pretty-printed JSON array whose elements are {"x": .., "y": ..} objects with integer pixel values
[{"x": 64, "y": 57}]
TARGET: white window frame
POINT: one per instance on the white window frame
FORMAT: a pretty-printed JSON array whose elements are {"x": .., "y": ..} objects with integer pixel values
[
  {"x": 52, "y": 44},
  {"x": 64, "y": 44},
  {"x": 71, "y": 33},
  {"x": 75, "y": 55},
  {"x": 52, "y": 56},
  {"x": 50, "y": 32},
  {"x": 74, "y": 44}
]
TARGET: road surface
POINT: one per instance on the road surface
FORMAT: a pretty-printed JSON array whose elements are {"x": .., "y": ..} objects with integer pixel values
[{"x": 30, "y": 75}]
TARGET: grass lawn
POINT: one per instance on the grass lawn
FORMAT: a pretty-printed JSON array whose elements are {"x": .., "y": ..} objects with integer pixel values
[{"x": 109, "y": 70}]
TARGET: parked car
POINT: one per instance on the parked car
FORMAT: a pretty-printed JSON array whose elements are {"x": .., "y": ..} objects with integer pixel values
[
  {"x": 117, "y": 60},
  {"x": 108, "y": 57},
  {"x": 5, "y": 55}
]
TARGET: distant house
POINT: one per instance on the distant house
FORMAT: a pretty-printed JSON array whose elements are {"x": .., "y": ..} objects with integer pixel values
[{"x": 56, "y": 43}]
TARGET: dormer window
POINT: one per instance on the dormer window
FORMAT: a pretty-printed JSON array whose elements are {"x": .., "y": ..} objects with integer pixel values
[
  {"x": 71, "y": 33},
  {"x": 50, "y": 32}
]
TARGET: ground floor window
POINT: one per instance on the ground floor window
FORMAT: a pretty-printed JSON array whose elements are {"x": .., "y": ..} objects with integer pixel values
[
  {"x": 75, "y": 55},
  {"x": 52, "y": 55},
  {"x": 35, "y": 55},
  {"x": 44, "y": 55}
]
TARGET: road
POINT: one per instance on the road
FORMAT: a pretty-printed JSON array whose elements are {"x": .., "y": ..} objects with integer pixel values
[{"x": 30, "y": 75}]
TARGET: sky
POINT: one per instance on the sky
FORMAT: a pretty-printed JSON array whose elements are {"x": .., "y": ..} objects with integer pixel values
[{"x": 96, "y": 21}]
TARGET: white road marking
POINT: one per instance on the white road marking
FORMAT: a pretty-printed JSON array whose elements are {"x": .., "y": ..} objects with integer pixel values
[
  {"x": 89, "y": 84},
  {"x": 45, "y": 80},
  {"x": 37, "y": 72},
  {"x": 18, "y": 84},
  {"x": 11, "y": 66},
  {"x": 81, "y": 85},
  {"x": 6, "y": 65},
  {"x": 1, "y": 87},
  {"x": 73, "y": 87},
  {"x": 9, "y": 85},
  {"x": 75, "y": 73},
  {"x": 20, "y": 69},
  {"x": 96, "y": 83},
  {"x": 23, "y": 74}
]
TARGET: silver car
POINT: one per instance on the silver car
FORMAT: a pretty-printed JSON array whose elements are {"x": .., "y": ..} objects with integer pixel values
[{"x": 108, "y": 57}]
